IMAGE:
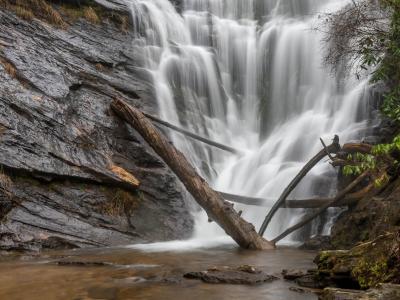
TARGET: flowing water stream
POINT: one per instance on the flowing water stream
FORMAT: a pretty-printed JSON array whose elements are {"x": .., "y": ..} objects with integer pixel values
[
  {"x": 246, "y": 73},
  {"x": 138, "y": 273}
]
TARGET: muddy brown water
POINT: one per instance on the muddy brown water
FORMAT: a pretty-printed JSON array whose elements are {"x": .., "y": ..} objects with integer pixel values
[{"x": 138, "y": 273}]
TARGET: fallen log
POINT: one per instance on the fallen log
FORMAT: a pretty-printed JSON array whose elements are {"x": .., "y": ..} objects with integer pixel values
[
  {"x": 193, "y": 135},
  {"x": 348, "y": 200},
  {"x": 218, "y": 210},
  {"x": 338, "y": 162},
  {"x": 333, "y": 148},
  {"x": 324, "y": 207},
  {"x": 357, "y": 147}
]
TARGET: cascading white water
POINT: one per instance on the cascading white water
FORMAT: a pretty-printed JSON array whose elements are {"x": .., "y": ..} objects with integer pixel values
[{"x": 247, "y": 73}]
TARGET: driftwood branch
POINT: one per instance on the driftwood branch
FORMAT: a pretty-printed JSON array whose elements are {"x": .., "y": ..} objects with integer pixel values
[
  {"x": 324, "y": 207},
  {"x": 218, "y": 210},
  {"x": 193, "y": 135},
  {"x": 326, "y": 149},
  {"x": 348, "y": 200},
  {"x": 357, "y": 147},
  {"x": 338, "y": 162},
  {"x": 333, "y": 148}
]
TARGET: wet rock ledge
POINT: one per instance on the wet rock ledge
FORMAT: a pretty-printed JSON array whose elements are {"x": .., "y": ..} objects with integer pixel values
[
  {"x": 73, "y": 174},
  {"x": 245, "y": 274},
  {"x": 381, "y": 292}
]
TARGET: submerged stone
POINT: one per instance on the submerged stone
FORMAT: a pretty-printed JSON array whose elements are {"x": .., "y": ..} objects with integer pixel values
[
  {"x": 292, "y": 274},
  {"x": 245, "y": 274},
  {"x": 83, "y": 263}
]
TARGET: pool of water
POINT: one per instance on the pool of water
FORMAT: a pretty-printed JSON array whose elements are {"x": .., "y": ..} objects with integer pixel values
[{"x": 137, "y": 272}]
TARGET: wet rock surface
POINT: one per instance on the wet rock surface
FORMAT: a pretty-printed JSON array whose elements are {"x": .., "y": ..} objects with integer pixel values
[
  {"x": 381, "y": 292},
  {"x": 299, "y": 290},
  {"x": 83, "y": 263},
  {"x": 318, "y": 242},
  {"x": 292, "y": 274},
  {"x": 310, "y": 281},
  {"x": 57, "y": 133},
  {"x": 18, "y": 256},
  {"x": 245, "y": 274}
]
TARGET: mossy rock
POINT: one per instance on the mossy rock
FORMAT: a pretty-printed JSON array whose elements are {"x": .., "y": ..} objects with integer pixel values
[
  {"x": 372, "y": 267},
  {"x": 362, "y": 267}
]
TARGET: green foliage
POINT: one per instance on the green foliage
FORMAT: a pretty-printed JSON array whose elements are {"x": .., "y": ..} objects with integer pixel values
[
  {"x": 359, "y": 162},
  {"x": 386, "y": 65},
  {"x": 370, "y": 274}
]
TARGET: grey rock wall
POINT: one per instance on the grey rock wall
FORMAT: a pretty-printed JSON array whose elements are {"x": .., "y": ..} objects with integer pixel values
[{"x": 56, "y": 127}]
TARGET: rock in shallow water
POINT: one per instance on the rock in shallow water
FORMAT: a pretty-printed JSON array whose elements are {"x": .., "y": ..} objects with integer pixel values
[
  {"x": 318, "y": 242},
  {"x": 245, "y": 274},
  {"x": 292, "y": 274}
]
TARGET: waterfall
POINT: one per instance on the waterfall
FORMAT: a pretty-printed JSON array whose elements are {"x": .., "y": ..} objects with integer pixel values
[{"x": 246, "y": 73}]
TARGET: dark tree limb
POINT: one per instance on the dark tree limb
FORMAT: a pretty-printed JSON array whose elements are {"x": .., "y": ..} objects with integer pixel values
[
  {"x": 193, "y": 135},
  {"x": 324, "y": 207},
  {"x": 348, "y": 200},
  {"x": 357, "y": 147},
  {"x": 326, "y": 149},
  {"x": 218, "y": 210},
  {"x": 338, "y": 162},
  {"x": 333, "y": 148}
]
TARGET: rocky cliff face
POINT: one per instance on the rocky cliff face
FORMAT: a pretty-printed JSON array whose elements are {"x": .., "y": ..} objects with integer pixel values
[{"x": 76, "y": 175}]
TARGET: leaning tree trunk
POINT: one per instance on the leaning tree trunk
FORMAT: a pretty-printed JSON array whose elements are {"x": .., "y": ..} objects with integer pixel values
[
  {"x": 218, "y": 210},
  {"x": 333, "y": 148}
]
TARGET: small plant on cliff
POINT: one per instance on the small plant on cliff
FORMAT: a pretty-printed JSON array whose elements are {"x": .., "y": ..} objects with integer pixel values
[
  {"x": 120, "y": 201},
  {"x": 29, "y": 9},
  {"x": 91, "y": 16}
]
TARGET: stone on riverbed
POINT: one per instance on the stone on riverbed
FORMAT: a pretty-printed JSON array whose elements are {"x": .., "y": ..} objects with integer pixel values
[
  {"x": 245, "y": 274},
  {"x": 292, "y": 274}
]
